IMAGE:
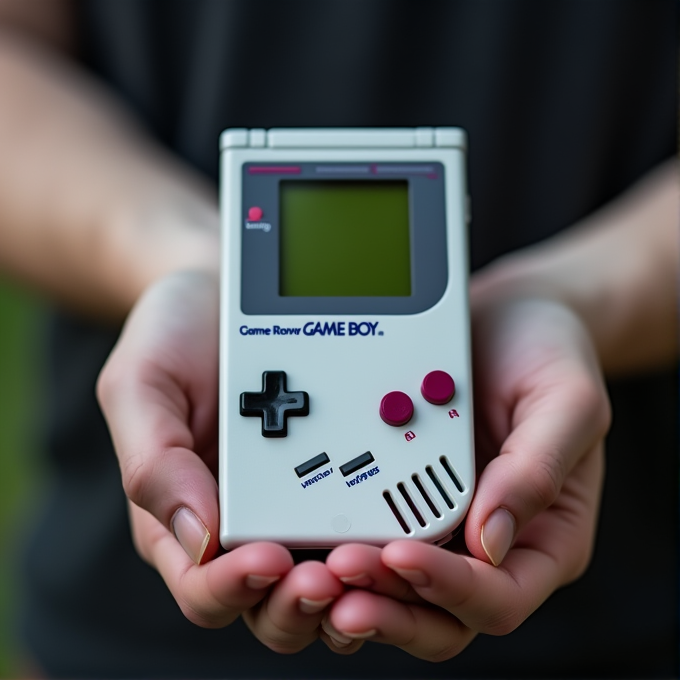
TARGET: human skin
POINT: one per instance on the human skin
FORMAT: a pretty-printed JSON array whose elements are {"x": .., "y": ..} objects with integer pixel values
[{"x": 546, "y": 322}]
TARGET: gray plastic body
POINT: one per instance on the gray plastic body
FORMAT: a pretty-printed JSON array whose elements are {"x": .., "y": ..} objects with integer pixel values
[{"x": 342, "y": 473}]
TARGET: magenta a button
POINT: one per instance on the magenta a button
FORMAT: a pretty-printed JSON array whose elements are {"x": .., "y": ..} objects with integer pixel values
[
  {"x": 396, "y": 408},
  {"x": 255, "y": 214},
  {"x": 438, "y": 387}
]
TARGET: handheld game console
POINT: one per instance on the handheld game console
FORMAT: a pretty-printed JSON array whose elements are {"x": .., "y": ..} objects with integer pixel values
[{"x": 345, "y": 372}]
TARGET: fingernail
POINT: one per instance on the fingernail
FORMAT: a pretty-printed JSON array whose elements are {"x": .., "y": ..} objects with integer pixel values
[
  {"x": 362, "y": 636},
  {"x": 313, "y": 606},
  {"x": 360, "y": 580},
  {"x": 191, "y": 533},
  {"x": 498, "y": 533},
  {"x": 339, "y": 640},
  {"x": 339, "y": 643},
  {"x": 257, "y": 582},
  {"x": 414, "y": 576}
]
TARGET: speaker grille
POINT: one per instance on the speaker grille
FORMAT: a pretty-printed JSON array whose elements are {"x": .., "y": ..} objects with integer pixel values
[
  {"x": 396, "y": 512},
  {"x": 425, "y": 496}
]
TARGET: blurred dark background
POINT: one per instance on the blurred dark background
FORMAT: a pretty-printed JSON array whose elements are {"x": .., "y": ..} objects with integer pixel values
[{"x": 21, "y": 466}]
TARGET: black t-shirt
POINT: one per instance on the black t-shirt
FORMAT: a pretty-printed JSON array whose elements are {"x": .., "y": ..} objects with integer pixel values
[{"x": 566, "y": 103}]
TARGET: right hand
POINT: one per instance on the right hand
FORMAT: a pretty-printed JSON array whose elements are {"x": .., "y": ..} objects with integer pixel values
[
  {"x": 159, "y": 394},
  {"x": 541, "y": 415}
]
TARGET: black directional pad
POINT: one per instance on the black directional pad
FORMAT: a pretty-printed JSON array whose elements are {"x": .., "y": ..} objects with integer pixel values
[{"x": 274, "y": 404}]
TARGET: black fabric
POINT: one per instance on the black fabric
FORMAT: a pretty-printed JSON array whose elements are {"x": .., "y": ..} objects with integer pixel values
[{"x": 566, "y": 103}]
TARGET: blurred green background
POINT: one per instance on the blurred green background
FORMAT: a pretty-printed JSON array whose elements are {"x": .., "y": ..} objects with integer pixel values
[{"x": 21, "y": 475}]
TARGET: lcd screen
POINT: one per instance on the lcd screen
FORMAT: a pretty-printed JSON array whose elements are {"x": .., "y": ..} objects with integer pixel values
[{"x": 345, "y": 238}]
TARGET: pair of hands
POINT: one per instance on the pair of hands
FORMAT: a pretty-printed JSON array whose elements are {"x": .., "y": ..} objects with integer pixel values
[{"x": 541, "y": 413}]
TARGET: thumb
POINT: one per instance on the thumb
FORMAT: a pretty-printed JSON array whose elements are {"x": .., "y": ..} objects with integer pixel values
[
  {"x": 557, "y": 429},
  {"x": 158, "y": 393}
]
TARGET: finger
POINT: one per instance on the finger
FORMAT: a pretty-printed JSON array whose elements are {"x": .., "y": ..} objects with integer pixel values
[
  {"x": 479, "y": 595},
  {"x": 337, "y": 642},
  {"x": 551, "y": 436},
  {"x": 288, "y": 619},
  {"x": 425, "y": 632},
  {"x": 148, "y": 392},
  {"x": 212, "y": 595},
  {"x": 558, "y": 410},
  {"x": 162, "y": 476},
  {"x": 358, "y": 565}
]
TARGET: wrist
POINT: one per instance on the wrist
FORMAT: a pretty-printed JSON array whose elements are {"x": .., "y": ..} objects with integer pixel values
[
  {"x": 167, "y": 222},
  {"x": 617, "y": 270}
]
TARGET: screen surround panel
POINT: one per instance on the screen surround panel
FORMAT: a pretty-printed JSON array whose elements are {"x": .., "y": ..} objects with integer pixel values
[{"x": 422, "y": 185}]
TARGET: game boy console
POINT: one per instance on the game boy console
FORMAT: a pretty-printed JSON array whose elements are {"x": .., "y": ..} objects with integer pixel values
[{"x": 345, "y": 372}]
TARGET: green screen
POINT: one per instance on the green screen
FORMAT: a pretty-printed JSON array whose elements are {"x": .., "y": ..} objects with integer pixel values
[{"x": 344, "y": 238}]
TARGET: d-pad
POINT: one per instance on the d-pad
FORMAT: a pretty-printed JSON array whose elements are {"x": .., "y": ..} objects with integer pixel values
[{"x": 274, "y": 404}]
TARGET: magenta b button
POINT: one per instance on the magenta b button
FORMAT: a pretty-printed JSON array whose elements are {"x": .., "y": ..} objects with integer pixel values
[
  {"x": 438, "y": 387},
  {"x": 396, "y": 408}
]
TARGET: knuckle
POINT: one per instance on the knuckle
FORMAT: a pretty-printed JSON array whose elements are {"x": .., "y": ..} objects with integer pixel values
[
  {"x": 504, "y": 623},
  {"x": 546, "y": 477},
  {"x": 603, "y": 415},
  {"x": 502, "y": 628},
  {"x": 580, "y": 561},
  {"x": 107, "y": 380},
  {"x": 102, "y": 386},
  {"x": 140, "y": 545},
  {"x": 451, "y": 649},
  {"x": 203, "y": 619},
  {"x": 283, "y": 645},
  {"x": 136, "y": 477},
  {"x": 273, "y": 636},
  {"x": 580, "y": 565},
  {"x": 201, "y": 611},
  {"x": 594, "y": 401}
]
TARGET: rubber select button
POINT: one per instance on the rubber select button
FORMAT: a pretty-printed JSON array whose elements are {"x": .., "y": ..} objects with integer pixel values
[
  {"x": 312, "y": 464},
  {"x": 396, "y": 408},
  {"x": 438, "y": 387},
  {"x": 356, "y": 463}
]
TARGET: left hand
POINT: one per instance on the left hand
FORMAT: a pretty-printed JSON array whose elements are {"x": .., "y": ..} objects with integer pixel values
[
  {"x": 159, "y": 394},
  {"x": 541, "y": 414}
]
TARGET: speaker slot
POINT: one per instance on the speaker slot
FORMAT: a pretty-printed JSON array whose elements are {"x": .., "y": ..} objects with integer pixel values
[
  {"x": 426, "y": 496},
  {"x": 396, "y": 512},
  {"x": 449, "y": 470},
  {"x": 409, "y": 501},
  {"x": 440, "y": 487}
]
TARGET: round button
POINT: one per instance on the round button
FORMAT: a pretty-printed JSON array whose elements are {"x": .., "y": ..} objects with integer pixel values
[
  {"x": 255, "y": 213},
  {"x": 438, "y": 387},
  {"x": 396, "y": 408}
]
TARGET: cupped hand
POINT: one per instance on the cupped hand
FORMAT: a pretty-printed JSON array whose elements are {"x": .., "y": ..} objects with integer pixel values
[
  {"x": 159, "y": 394},
  {"x": 541, "y": 414}
]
